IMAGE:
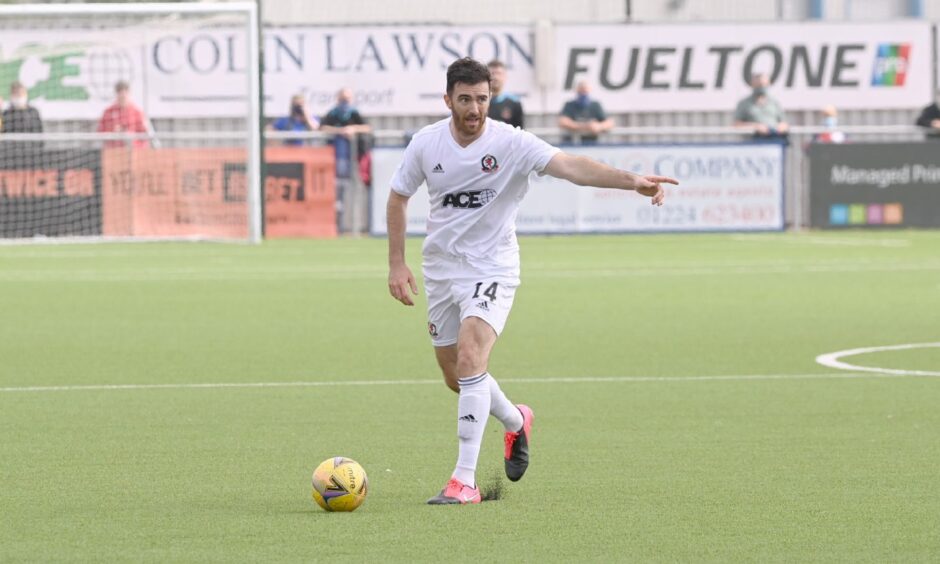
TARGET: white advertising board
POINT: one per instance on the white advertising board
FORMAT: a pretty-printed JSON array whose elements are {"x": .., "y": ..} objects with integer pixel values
[
  {"x": 706, "y": 67},
  {"x": 393, "y": 70},
  {"x": 728, "y": 187},
  {"x": 400, "y": 70}
]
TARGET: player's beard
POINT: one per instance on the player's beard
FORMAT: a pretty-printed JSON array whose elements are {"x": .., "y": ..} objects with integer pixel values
[{"x": 469, "y": 129}]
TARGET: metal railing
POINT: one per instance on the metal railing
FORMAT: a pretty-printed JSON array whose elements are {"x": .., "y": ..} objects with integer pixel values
[{"x": 353, "y": 194}]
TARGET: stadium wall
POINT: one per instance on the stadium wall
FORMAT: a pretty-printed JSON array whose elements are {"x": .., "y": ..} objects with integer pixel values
[{"x": 591, "y": 11}]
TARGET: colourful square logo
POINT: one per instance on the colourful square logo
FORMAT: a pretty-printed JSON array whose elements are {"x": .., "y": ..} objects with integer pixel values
[
  {"x": 857, "y": 214},
  {"x": 875, "y": 214},
  {"x": 838, "y": 214},
  {"x": 891, "y": 62},
  {"x": 894, "y": 214}
]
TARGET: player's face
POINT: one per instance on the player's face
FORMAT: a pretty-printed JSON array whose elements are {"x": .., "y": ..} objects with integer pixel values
[{"x": 468, "y": 105}]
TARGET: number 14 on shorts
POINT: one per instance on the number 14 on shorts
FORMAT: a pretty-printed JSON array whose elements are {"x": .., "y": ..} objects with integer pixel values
[{"x": 490, "y": 291}]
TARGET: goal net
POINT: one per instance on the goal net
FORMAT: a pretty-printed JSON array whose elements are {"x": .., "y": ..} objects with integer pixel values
[{"x": 129, "y": 122}]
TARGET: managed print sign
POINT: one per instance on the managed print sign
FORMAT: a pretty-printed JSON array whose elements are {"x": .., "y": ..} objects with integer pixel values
[{"x": 875, "y": 185}]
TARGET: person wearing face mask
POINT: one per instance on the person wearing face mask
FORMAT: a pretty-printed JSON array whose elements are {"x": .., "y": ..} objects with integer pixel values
[
  {"x": 760, "y": 113},
  {"x": 584, "y": 116},
  {"x": 830, "y": 120},
  {"x": 347, "y": 126},
  {"x": 297, "y": 120},
  {"x": 20, "y": 117},
  {"x": 930, "y": 119}
]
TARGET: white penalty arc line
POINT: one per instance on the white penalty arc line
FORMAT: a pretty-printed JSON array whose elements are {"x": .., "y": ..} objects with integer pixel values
[
  {"x": 349, "y": 383},
  {"x": 832, "y": 360}
]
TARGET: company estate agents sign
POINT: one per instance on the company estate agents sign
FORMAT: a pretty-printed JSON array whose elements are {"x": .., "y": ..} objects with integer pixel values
[{"x": 724, "y": 187}]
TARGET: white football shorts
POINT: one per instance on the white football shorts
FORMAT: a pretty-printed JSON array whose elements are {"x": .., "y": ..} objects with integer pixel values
[{"x": 467, "y": 292}]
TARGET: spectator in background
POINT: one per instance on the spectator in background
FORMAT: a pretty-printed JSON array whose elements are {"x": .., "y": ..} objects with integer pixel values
[
  {"x": 503, "y": 106},
  {"x": 930, "y": 119},
  {"x": 830, "y": 120},
  {"x": 123, "y": 116},
  {"x": 349, "y": 131},
  {"x": 20, "y": 117},
  {"x": 345, "y": 122},
  {"x": 297, "y": 120},
  {"x": 760, "y": 113},
  {"x": 584, "y": 116}
]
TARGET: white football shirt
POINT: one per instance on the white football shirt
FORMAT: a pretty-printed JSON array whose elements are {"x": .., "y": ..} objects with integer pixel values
[{"x": 474, "y": 191}]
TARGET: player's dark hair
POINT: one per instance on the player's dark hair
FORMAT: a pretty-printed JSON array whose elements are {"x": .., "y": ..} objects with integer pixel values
[
  {"x": 121, "y": 86},
  {"x": 466, "y": 71},
  {"x": 495, "y": 64}
]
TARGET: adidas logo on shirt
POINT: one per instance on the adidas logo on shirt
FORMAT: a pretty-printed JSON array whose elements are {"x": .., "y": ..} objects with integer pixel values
[
  {"x": 438, "y": 168},
  {"x": 484, "y": 306}
]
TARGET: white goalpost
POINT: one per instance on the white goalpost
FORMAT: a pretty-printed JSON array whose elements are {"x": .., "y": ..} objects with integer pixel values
[{"x": 130, "y": 122}]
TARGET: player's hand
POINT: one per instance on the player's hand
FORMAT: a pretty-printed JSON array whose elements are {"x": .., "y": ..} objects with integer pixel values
[
  {"x": 400, "y": 280},
  {"x": 651, "y": 187}
]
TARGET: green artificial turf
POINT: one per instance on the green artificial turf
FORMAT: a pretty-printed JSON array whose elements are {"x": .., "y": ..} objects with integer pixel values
[{"x": 680, "y": 412}]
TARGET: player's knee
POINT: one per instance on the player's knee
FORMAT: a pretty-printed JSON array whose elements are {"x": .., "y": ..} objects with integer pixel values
[{"x": 470, "y": 361}]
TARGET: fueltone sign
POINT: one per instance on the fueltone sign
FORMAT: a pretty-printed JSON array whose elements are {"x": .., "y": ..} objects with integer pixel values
[
  {"x": 723, "y": 187},
  {"x": 400, "y": 70},
  {"x": 706, "y": 67}
]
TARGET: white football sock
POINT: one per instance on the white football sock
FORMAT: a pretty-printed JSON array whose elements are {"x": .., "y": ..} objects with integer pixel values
[
  {"x": 473, "y": 409},
  {"x": 503, "y": 409}
]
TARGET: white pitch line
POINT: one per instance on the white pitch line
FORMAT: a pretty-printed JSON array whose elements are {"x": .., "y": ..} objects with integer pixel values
[
  {"x": 347, "y": 383},
  {"x": 238, "y": 275},
  {"x": 832, "y": 360},
  {"x": 825, "y": 241}
]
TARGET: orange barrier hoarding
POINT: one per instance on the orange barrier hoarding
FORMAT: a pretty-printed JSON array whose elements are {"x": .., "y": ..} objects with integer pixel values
[
  {"x": 300, "y": 192},
  {"x": 202, "y": 192}
]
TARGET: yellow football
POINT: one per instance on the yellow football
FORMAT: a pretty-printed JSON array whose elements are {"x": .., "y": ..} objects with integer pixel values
[{"x": 340, "y": 484}]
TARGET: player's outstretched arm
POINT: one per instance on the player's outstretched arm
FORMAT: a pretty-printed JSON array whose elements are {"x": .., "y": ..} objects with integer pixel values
[
  {"x": 400, "y": 278},
  {"x": 585, "y": 171}
]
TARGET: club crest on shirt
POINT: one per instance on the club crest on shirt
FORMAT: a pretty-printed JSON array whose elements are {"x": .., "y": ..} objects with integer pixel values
[
  {"x": 432, "y": 329},
  {"x": 489, "y": 164}
]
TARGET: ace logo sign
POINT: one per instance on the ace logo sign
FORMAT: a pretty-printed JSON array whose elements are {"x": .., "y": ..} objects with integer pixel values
[
  {"x": 71, "y": 75},
  {"x": 469, "y": 200}
]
